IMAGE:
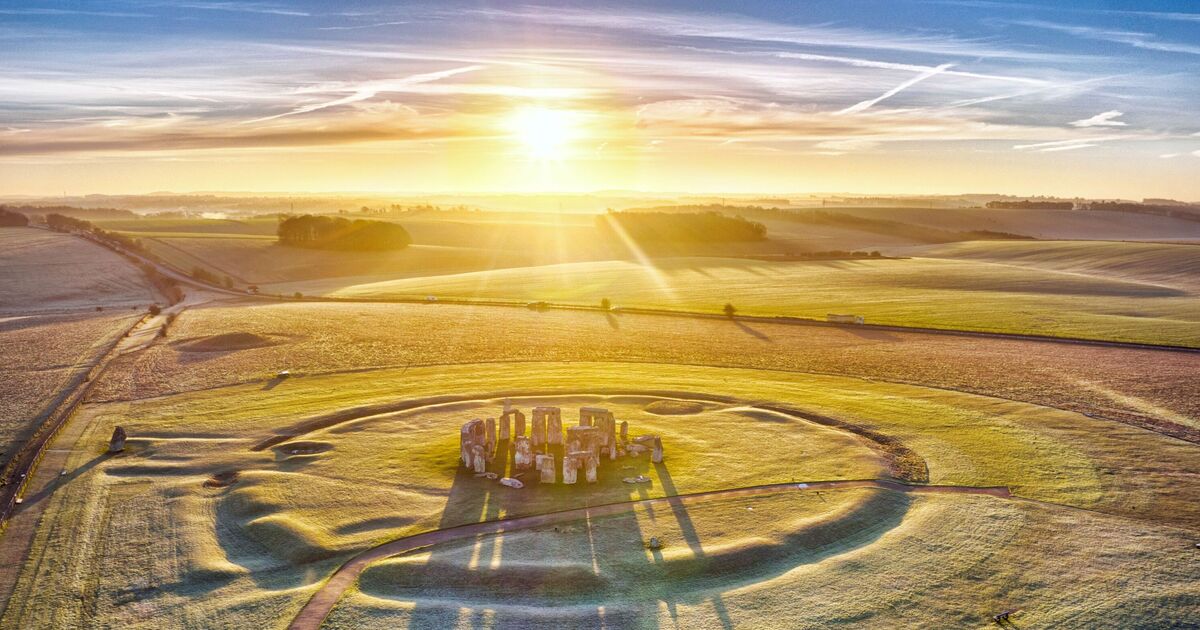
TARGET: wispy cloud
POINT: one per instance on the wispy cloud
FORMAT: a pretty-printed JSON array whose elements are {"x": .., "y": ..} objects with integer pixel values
[
  {"x": 1064, "y": 145},
  {"x": 242, "y": 7},
  {"x": 867, "y": 104},
  {"x": 369, "y": 89},
  {"x": 1103, "y": 119},
  {"x": 360, "y": 26},
  {"x": 1146, "y": 41}
]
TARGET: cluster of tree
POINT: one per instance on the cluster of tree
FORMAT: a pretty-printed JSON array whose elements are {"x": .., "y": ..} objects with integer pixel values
[
  {"x": 684, "y": 227},
  {"x": 1031, "y": 204},
  {"x": 12, "y": 219},
  {"x": 94, "y": 214},
  {"x": 1190, "y": 213},
  {"x": 63, "y": 223},
  {"x": 912, "y": 231},
  {"x": 325, "y": 232}
]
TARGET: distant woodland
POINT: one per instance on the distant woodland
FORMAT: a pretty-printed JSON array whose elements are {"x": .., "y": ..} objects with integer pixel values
[
  {"x": 12, "y": 219},
  {"x": 325, "y": 232},
  {"x": 680, "y": 227}
]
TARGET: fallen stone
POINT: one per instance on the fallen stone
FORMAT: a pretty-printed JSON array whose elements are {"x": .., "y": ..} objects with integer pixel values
[
  {"x": 512, "y": 483},
  {"x": 637, "y": 479},
  {"x": 654, "y": 543}
]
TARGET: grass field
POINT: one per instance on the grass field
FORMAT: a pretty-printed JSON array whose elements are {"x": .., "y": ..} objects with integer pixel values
[
  {"x": 914, "y": 292},
  {"x": 1172, "y": 265},
  {"x": 43, "y": 271},
  {"x": 257, "y": 548},
  {"x": 946, "y": 561},
  {"x": 39, "y": 357},
  {"x": 320, "y": 338}
]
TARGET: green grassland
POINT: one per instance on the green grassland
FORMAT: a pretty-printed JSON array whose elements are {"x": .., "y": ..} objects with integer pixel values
[
  {"x": 1173, "y": 265},
  {"x": 927, "y": 292},
  {"x": 148, "y": 545},
  {"x": 923, "y": 561}
]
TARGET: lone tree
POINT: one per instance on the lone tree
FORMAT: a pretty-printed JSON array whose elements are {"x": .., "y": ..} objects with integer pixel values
[
  {"x": 729, "y": 309},
  {"x": 605, "y": 304}
]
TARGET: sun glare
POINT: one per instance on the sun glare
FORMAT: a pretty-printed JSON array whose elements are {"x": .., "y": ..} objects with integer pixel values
[{"x": 544, "y": 133}]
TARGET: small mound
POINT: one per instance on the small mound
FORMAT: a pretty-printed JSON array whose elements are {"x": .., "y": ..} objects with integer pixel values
[
  {"x": 674, "y": 407},
  {"x": 222, "y": 479},
  {"x": 226, "y": 342},
  {"x": 303, "y": 448}
]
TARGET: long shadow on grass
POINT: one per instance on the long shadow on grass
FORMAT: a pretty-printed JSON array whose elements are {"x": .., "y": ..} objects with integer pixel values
[{"x": 468, "y": 591}]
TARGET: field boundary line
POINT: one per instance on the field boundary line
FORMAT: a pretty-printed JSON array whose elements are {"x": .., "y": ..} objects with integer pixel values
[{"x": 791, "y": 320}]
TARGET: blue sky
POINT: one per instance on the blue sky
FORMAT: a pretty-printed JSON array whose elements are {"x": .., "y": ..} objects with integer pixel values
[{"x": 1087, "y": 98}]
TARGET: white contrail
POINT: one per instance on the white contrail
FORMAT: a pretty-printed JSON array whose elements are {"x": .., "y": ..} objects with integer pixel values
[
  {"x": 867, "y": 104},
  {"x": 370, "y": 89}
]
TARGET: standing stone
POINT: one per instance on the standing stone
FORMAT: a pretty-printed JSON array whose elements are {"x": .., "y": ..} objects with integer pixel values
[
  {"x": 545, "y": 466},
  {"x": 472, "y": 434},
  {"x": 554, "y": 432},
  {"x": 478, "y": 458},
  {"x": 656, "y": 455},
  {"x": 523, "y": 456},
  {"x": 537, "y": 429},
  {"x": 505, "y": 429},
  {"x": 570, "y": 469},
  {"x": 624, "y": 431},
  {"x": 590, "y": 466},
  {"x": 519, "y": 424},
  {"x": 116, "y": 443},
  {"x": 490, "y": 436}
]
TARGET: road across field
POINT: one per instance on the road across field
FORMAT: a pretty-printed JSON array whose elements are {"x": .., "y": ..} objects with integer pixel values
[{"x": 323, "y": 601}]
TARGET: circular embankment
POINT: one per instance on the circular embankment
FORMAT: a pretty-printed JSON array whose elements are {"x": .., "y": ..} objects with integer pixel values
[
  {"x": 849, "y": 526},
  {"x": 861, "y": 511}
]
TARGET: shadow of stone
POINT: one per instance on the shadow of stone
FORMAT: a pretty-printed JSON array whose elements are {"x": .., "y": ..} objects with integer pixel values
[
  {"x": 273, "y": 383},
  {"x": 63, "y": 480}
]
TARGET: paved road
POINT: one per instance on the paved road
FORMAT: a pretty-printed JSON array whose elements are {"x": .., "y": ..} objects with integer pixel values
[{"x": 322, "y": 602}]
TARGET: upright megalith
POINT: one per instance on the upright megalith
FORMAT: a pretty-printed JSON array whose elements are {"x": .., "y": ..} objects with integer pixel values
[
  {"x": 591, "y": 465},
  {"x": 522, "y": 453},
  {"x": 490, "y": 436},
  {"x": 584, "y": 438},
  {"x": 518, "y": 423},
  {"x": 656, "y": 455},
  {"x": 504, "y": 432},
  {"x": 554, "y": 430},
  {"x": 537, "y": 428},
  {"x": 116, "y": 443},
  {"x": 545, "y": 466},
  {"x": 479, "y": 459},
  {"x": 624, "y": 431},
  {"x": 472, "y": 434},
  {"x": 570, "y": 467}
]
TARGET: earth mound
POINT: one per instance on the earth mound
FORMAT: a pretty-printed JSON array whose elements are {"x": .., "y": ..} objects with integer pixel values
[
  {"x": 222, "y": 479},
  {"x": 674, "y": 407},
  {"x": 226, "y": 342}
]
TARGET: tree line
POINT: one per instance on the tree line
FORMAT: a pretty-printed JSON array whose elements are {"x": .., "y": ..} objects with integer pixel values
[
  {"x": 325, "y": 232},
  {"x": 680, "y": 227}
]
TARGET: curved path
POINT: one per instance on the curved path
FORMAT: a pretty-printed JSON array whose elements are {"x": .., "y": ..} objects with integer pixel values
[{"x": 322, "y": 602}]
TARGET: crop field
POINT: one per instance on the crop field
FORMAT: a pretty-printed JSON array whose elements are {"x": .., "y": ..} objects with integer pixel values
[
  {"x": 1172, "y": 265},
  {"x": 40, "y": 272},
  {"x": 815, "y": 476},
  {"x": 913, "y": 292},
  {"x": 244, "y": 343},
  {"x": 368, "y": 456},
  {"x": 39, "y": 355}
]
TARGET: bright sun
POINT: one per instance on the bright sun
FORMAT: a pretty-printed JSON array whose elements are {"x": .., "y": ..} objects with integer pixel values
[{"x": 545, "y": 133}]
